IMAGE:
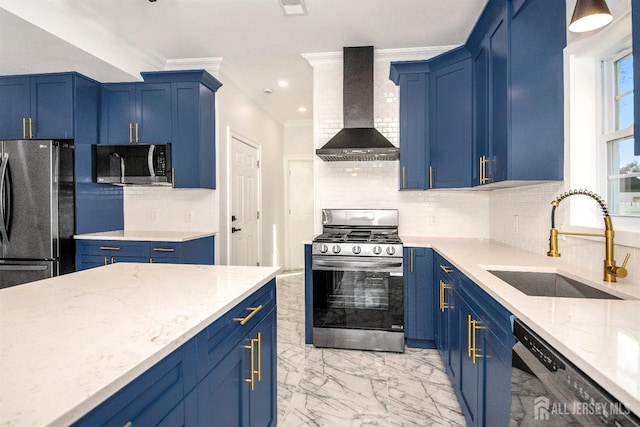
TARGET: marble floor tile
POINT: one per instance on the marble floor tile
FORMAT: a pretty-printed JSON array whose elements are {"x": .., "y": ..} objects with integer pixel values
[{"x": 351, "y": 388}]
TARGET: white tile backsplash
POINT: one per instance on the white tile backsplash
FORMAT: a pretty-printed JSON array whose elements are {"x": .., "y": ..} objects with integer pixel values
[{"x": 162, "y": 208}]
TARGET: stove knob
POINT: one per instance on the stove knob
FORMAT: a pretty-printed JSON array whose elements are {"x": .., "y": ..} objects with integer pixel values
[
  {"x": 391, "y": 250},
  {"x": 324, "y": 249},
  {"x": 377, "y": 250},
  {"x": 356, "y": 249},
  {"x": 336, "y": 249}
]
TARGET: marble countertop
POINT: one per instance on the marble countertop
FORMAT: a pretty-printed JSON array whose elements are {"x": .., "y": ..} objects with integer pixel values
[
  {"x": 601, "y": 337},
  {"x": 70, "y": 342},
  {"x": 151, "y": 236}
]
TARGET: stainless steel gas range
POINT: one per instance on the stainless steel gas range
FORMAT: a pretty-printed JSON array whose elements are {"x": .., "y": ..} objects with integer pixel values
[{"x": 358, "y": 293}]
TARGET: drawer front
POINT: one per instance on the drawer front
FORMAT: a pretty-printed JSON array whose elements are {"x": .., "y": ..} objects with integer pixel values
[
  {"x": 151, "y": 399},
  {"x": 228, "y": 331},
  {"x": 165, "y": 250},
  {"x": 113, "y": 248}
]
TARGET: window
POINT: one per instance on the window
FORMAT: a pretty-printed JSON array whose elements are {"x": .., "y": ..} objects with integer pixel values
[{"x": 623, "y": 168}]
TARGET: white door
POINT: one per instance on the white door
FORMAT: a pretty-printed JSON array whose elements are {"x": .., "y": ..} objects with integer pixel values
[
  {"x": 245, "y": 237},
  {"x": 300, "y": 211}
]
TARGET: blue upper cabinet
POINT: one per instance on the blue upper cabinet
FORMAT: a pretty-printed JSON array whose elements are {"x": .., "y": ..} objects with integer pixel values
[
  {"x": 435, "y": 121},
  {"x": 37, "y": 106},
  {"x": 413, "y": 79},
  {"x": 177, "y": 107},
  {"x": 450, "y": 121},
  {"x": 518, "y": 102},
  {"x": 135, "y": 113}
]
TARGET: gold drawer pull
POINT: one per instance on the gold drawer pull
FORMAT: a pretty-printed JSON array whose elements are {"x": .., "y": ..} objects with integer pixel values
[
  {"x": 251, "y": 380},
  {"x": 109, "y": 248},
  {"x": 443, "y": 303},
  {"x": 254, "y": 311},
  {"x": 164, "y": 249},
  {"x": 446, "y": 269},
  {"x": 128, "y": 424}
]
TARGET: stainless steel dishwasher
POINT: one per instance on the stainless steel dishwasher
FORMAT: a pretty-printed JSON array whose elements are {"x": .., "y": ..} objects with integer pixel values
[{"x": 548, "y": 390}]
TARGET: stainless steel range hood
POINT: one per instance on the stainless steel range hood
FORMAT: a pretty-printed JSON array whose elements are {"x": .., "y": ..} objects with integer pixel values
[{"x": 359, "y": 140}]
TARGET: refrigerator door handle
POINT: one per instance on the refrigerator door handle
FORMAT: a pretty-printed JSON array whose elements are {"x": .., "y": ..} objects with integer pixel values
[
  {"x": 23, "y": 267},
  {"x": 5, "y": 196}
]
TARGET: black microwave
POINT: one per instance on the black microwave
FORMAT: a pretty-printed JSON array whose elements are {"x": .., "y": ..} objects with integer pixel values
[{"x": 133, "y": 164}]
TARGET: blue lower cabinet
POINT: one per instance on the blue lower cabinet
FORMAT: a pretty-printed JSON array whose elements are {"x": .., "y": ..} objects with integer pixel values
[
  {"x": 473, "y": 335},
  {"x": 94, "y": 253},
  {"x": 154, "y": 398},
  {"x": 485, "y": 362},
  {"x": 224, "y": 376},
  {"x": 419, "y": 315}
]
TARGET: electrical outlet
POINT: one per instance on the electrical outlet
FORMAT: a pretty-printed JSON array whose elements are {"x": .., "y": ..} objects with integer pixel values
[{"x": 188, "y": 215}]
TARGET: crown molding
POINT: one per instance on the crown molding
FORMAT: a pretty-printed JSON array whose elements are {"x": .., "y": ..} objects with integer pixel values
[
  {"x": 211, "y": 64},
  {"x": 381, "y": 55}
]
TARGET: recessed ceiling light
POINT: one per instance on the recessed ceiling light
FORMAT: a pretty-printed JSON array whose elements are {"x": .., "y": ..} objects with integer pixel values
[
  {"x": 302, "y": 109},
  {"x": 283, "y": 83},
  {"x": 293, "y": 7}
]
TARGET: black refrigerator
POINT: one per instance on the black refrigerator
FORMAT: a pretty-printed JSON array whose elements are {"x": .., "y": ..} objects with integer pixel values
[{"x": 37, "y": 206}]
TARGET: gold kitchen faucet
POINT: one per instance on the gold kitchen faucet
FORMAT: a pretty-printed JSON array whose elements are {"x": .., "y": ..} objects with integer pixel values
[{"x": 611, "y": 270}]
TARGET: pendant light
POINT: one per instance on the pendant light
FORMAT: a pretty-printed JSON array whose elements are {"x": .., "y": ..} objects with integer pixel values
[{"x": 589, "y": 15}]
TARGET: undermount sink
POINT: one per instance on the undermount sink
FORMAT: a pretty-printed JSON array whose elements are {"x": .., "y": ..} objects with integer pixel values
[{"x": 546, "y": 284}]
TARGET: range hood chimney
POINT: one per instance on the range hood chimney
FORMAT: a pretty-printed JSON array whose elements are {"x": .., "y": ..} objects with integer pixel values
[{"x": 359, "y": 140}]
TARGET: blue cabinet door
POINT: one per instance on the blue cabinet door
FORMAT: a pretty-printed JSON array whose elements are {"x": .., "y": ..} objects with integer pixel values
[
  {"x": 118, "y": 113},
  {"x": 414, "y": 125},
  {"x": 497, "y": 45},
  {"x": 469, "y": 379},
  {"x": 221, "y": 393},
  {"x": 480, "y": 116},
  {"x": 419, "y": 327},
  {"x": 37, "y": 107},
  {"x": 14, "y": 107},
  {"x": 193, "y": 137},
  {"x": 495, "y": 376},
  {"x": 153, "y": 113},
  {"x": 450, "y": 139},
  {"x": 52, "y": 109},
  {"x": 263, "y": 398}
]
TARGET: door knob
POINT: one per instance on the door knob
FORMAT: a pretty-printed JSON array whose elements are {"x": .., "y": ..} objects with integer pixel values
[
  {"x": 233, "y": 218},
  {"x": 233, "y": 229}
]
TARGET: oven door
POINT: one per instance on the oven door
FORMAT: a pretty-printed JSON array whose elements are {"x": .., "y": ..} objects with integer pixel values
[{"x": 358, "y": 293}]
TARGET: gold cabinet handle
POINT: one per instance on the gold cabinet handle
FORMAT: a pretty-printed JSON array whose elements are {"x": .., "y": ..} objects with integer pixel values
[
  {"x": 24, "y": 128},
  {"x": 252, "y": 371},
  {"x": 443, "y": 302},
  {"x": 150, "y": 260},
  {"x": 259, "y": 340},
  {"x": 106, "y": 261},
  {"x": 109, "y": 248},
  {"x": 430, "y": 176},
  {"x": 472, "y": 338},
  {"x": 30, "y": 128},
  {"x": 130, "y": 132},
  {"x": 411, "y": 260},
  {"x": 137, "y": 127},
  {"x": 469, "y": 335},
  {"x": 113, "y": 260},
  {"x": 254, "y": 311},
  {"x": 160, "y": 249},
  {"x": 404, "y": 177},
  {"x": 128, "y": 424},
  {"x": 446, "y": 269},
  {"x": 173, "y": 177}
]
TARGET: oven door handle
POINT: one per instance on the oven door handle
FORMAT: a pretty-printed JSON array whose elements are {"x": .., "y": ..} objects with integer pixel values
[{"x": 340, "y": 265}]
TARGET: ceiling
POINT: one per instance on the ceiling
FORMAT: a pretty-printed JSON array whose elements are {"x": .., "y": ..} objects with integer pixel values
[{"x": 257, "y": 44}]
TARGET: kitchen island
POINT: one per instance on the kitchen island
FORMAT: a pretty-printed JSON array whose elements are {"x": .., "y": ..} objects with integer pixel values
[
  {"x": 599, "y": 336},
  {"x": 69, "y": 343}
]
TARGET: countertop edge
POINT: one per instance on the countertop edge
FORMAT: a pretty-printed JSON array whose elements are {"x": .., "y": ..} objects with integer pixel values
[{"x": 149, "y": 236}]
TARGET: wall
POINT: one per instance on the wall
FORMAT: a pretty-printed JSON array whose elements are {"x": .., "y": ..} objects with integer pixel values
[
  {"x": 240, "y": 116},
  {"x": 460, "y": 213}
]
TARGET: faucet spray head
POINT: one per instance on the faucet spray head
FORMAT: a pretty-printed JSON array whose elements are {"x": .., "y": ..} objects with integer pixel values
[{"x": 553, "y": 244}]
